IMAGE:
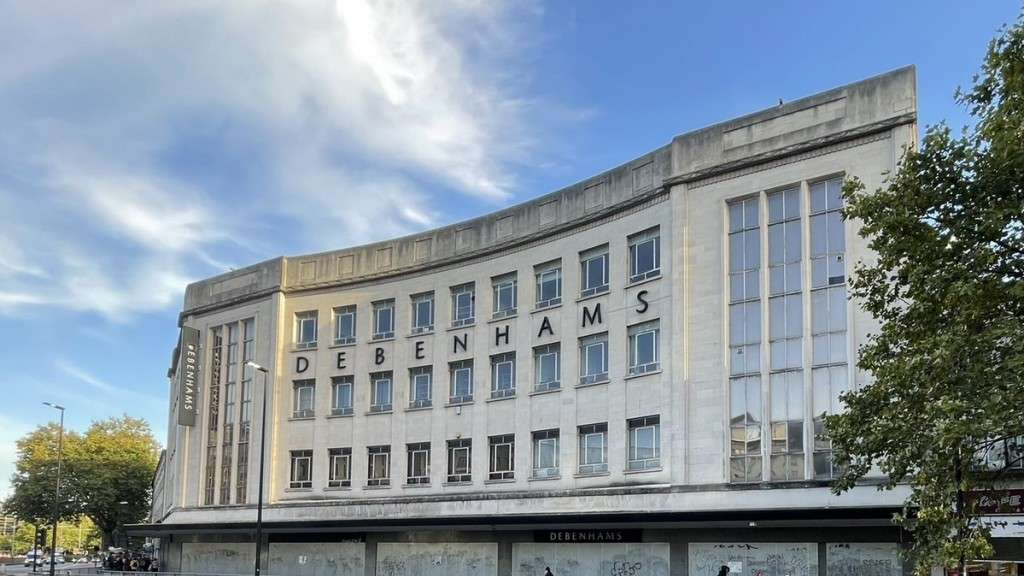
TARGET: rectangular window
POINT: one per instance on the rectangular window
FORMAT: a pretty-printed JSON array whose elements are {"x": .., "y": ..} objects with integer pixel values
[
  {"x": 503, "y": 375},
  {"x": 593, "y": 450},
  {"x": 504, "y": 295},
  {"x": 645, "y": 255},
  {"x": 340, "y": 467},
  {"x": 341, "y": 395},
  {"x": 644, "y": 443},
  {"x": 380, "y": 393},
  {"x": 828, "y": 384},
  {"x": 785, "y": 304},
  {"x": 379, "y": 466},
  {"x": 384, "y": 320},
  {"x": 245, "y": 411},
  {"x": 594, "y": 271},
  {"x": 301, "y": 469},
  {"x": 230, "y": 401},
  {"x": 545, "y": 454},
  {"x": 643, "y": 348},
  {"x": 461, "y": 374},
  {"x": 594, "y": 358},
  {"x": 305, "y": 329},
  {"x": 302, "y": 398},
  {"x": 1001, "y": 455},
  {"x": 549, "y": 284},
  {"x": 547, "y": 364},
  {"x": 460, "y": 460},
  {"x": 420, "y": 386},
  {"x": 829, "y": 370},
  {"x": 213, "y": 416},
  {"x": 787, "y": 425},
  {"x": 463, "y": 305},
  {"x": 418, "y": 465},
  {"x": 745, "y": 340},
  {"x": 745, "y": 428},
  {"x": 344, "y": 325},
  {"x": 423, "y": 313},
  {"x": 828, "y": 238},
  {"x": 503, "y": 455}
]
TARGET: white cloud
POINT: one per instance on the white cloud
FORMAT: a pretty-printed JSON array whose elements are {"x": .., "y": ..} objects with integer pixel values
[{"x": 165, "y": 141}]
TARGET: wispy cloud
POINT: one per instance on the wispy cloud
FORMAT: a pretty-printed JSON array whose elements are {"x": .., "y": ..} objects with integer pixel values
[
  {"x": 110, "y": 391},
  {"x": 165, "y": 142}
]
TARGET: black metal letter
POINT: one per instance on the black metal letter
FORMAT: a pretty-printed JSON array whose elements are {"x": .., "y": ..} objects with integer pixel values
[
  {"x": 643, "y": 302},
  {"x": 545, "y": 325},
  {"x": 594, "y": 317}
]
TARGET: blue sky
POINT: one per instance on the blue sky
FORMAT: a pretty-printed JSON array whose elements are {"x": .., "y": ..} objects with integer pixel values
[{"x": 146, "y": 145}]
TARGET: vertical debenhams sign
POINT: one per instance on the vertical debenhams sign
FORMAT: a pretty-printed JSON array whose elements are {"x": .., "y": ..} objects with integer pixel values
[{"x": 188, "y": 376}]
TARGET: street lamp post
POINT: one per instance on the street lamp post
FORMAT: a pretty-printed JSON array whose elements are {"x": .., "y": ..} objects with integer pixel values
[
  {"x": 263, "y": 440},
  {"x": 56, "y": 497}
]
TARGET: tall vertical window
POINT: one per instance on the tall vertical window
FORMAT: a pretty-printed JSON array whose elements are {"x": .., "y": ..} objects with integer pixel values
[
  {"x": 380, "y": 393},
  {"x": 418, "y": 465},
  {"x": 503, "y": 375},
  {"x": 341, "y": 395},
  {"x": 383, "y": 319},
  {"x": 594, "y": 271},
  {"x": 378, "y": 466},
  {"x": 549, "y": 284},
  {"x": 545, "y": 454},
  {"x": 503, "y": 456},
  {"x": 504, "y": 295},
  {"x": 547, "y": 365},
  {"x": 745, "y": 341},
  {"x": 420, "y": 386},
  {"x": 785, "y": 335},
  {"x": 344, "y": 325},
  {"x": 643, "y": 348},
  {"x": 460, "y": 460},
  {"x": 593, "y": 450},
  {"x": 423, "y": 313},
  {"x": 301, "y": 475},
  {"x": 463, "y": 304},
  {"x": 305, "y": 329},
  {"x": 787, "y": 425},
  {"x": 644, "y": 443},
  {"x": 245, "y": 413},
  {"x": 645, "y": 255},
  {"x": 230, "y": 400},
  {"x": 461, "y": 375},
  {"x": 594, "y": 358},
  {"x": 340, "y": 471},
  {"x": 213, "y": 416},
  {"x": 829, "y": 370},
  {"x": 302, "y": 398}
]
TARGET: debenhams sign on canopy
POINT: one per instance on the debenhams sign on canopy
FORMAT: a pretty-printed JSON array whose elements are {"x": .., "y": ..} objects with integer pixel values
[{"x": 188, "y": 376}]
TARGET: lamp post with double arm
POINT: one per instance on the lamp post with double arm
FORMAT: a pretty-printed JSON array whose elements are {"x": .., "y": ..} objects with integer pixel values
[
  {"x": 263, "y": 441},
  {"x": 56, "y": 494}
]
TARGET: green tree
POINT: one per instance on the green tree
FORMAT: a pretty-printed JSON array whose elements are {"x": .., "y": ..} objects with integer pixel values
[
  {"x": 112, "y": 463},
  {"x": 34, "y": 479},
  {"x": 115, "y": 465},
  {"x": 948, "y": 290}
]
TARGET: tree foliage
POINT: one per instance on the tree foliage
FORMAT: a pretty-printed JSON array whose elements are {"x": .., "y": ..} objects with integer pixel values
[
  {"x": 113, "y": 462},
  {"x": 947, "y": 287},
  {"x": 35, "y": 478}
]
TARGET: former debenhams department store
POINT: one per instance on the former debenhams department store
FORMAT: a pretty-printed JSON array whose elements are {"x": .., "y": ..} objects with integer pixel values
[{"x": 627, "y": 376}]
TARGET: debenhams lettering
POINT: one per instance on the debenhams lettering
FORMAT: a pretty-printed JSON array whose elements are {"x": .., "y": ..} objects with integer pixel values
[{"x": 188, "y": 376}]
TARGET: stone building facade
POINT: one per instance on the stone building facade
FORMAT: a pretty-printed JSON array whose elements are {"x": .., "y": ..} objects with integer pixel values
[{"x": 626, "y": 376}]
